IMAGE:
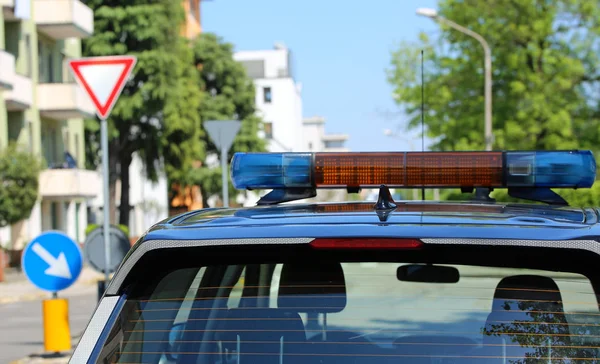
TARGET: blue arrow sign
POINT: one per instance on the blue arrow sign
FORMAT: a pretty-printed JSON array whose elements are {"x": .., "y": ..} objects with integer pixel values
[{"x": 52, "y": 261}]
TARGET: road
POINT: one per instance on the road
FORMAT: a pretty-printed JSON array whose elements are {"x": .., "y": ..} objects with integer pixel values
[{"x": 21, "y": 330}]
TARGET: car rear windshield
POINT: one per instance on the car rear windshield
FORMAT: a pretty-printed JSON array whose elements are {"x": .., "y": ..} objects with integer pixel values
[{"x": 355, "y": 307}]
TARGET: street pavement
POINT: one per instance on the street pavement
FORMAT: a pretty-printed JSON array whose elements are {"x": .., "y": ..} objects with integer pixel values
[
  {"x": 22, "y": 330},
  {"x": 21, "y": 326}
]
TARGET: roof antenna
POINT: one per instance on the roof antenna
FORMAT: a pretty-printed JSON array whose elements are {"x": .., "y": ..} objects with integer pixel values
[{"x": 422, "y": 117}]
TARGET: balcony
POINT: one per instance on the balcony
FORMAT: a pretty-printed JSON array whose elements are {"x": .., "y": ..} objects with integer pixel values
[
  {"x": 62, "y": 19},
  {"x": 61, "y": 101},
  {"x": 69, "y": 183},
  {"x": 8, "y": 7},
  {"x": 21, "y": 95},
  {"x": 7, "y": 70}
]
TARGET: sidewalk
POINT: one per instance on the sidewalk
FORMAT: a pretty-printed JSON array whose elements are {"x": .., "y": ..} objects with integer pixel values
[
  {"x": 17, "y": 288},
  {"x": 45, "y": 359}
]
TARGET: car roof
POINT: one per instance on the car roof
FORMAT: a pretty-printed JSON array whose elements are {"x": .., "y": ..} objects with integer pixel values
[{"x": 410, "y": 218}]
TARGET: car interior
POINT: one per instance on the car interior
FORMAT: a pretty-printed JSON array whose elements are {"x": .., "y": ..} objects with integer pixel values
[{"x": 261, "y": 313}]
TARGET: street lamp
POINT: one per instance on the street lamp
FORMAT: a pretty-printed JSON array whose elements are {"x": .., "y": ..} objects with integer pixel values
[{"x": 432, "y": 13}]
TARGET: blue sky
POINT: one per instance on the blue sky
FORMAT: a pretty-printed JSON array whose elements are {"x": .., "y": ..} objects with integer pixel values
[{"x": 341, "y": 50}]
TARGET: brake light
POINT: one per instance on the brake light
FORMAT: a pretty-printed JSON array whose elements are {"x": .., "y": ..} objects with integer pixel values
[{"x": 366, "y": 243}]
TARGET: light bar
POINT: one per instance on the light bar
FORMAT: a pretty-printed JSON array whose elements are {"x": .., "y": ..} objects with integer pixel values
[{"x": 550, "y": 169}]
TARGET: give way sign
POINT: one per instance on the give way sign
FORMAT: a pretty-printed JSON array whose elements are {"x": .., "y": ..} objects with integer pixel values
[{"x": 103, "y": 79}]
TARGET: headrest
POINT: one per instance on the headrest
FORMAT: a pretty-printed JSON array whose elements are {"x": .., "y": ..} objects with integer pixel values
[
  {"x": 315, "y": 287},
  {"x": 524, "y": 291}
]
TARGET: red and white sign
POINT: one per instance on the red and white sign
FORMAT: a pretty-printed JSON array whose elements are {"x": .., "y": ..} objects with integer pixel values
[{"x": 103, "y": 79}]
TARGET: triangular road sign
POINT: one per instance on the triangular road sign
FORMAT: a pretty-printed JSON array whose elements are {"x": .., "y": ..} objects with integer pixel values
[
  {"x": 222, "y": 132},
  {"x": 103, "y": 79}
]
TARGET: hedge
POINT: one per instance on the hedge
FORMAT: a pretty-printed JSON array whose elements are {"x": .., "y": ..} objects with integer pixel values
[{"x": 92, "y": 227}]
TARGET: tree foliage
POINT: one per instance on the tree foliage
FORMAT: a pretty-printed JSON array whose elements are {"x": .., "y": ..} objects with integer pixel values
[
  {"x": 545, "y": 68},
  {"x": 226, "y": 93},
  {"x": 546, "y": 76},
  {"x": 19, "y": 173},
  {"x": 153, "y": 114}
]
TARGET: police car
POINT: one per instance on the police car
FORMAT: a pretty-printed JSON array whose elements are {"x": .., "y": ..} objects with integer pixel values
[{"x": 366, "y": 282}]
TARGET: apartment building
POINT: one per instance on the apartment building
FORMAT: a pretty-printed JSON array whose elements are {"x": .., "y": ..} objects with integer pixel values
[
  {"x": 278, "y": 96},
  {"x": 42, "y": 109}
]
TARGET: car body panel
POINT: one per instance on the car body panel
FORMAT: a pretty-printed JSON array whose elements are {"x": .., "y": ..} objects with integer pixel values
[{"x": 420, "y": 220}]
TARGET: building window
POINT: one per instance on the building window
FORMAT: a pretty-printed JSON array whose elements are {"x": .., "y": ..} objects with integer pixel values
[
  {"x": 30, "y": 132},
  {"x": 28, "y": 55},
  {"x": 65, "y": 75},
  {"x": 67, "y": 140},
  {"x": 194, "y": 9},
  {"x": 47, "y": 72},
  {"x": 41, "y": 69},
  {"x": 51, "y": 75},
  {"x": 76, "y": 148},
  {"x": 54, "y": 212},
  {"x": 267, "y": 96},
  {"x": 268, "y": 130},
  {"x": 77, "y": 210}
]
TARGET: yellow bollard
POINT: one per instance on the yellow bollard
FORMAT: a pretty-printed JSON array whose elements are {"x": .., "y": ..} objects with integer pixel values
[{"x": 57, "y": 335}]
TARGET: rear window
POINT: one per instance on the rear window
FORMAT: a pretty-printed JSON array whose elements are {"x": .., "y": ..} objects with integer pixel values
[{"x": 357, "y": 308}]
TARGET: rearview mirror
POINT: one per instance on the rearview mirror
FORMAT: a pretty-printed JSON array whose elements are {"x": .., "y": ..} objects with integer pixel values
[{"x": 427, "y": 273}]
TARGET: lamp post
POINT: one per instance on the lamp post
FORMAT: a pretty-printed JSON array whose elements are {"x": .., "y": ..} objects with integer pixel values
[{"x": 432, "y": 13}]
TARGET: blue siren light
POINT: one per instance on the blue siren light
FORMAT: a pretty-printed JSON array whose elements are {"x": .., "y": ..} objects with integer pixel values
[
  {"x": 271, "y": 170},
  {"x": 543, "y": 169},
  {"x": 551, "y": 169}
]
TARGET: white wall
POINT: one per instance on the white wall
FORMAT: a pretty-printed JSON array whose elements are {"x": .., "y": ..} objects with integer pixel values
[
  {"x": 284, "y": 112},
  {"x": 150, "y": 200},
  {"x": 313, "y": 136},
  {"x": 285, "y": 109}
]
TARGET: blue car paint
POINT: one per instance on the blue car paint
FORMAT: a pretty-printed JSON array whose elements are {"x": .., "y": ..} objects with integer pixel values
[{"x": 536, "y": 222}]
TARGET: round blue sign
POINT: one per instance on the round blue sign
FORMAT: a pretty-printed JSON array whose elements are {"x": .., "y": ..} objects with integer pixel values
[{"x": 52, "y": 261}]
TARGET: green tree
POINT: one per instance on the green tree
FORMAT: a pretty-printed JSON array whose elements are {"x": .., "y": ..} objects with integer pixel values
[
  {"x": 545, "y": 69},
  {"x": 152, "y": 114},
  {"x": 19, "y": 173},
  {"x": 227, "y": 93},
  {"x": 546, "y": 78}
]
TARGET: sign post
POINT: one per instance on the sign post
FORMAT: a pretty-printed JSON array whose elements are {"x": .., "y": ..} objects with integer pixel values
[
  {"x": 103, "y": 79},
  {"x": 222, "y": 134}
]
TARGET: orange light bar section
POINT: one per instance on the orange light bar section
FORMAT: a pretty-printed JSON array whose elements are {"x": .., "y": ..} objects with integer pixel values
[
  {"x": 400, "y": 169},
  {"x": 477, "y": 169},
  {"x": 359, "y": 169}
]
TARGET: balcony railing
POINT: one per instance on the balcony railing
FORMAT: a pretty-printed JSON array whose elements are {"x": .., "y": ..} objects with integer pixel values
[
  {"x": 61, "y": 19},
  {"x": 61, "y": 101},
  {"x": 7, "y": 70},
  {"x": 21, "y": 95}
]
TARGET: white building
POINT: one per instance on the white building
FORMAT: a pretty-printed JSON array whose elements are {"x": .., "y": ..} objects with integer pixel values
[
  {"x": 278, "y": 96},
  {"x": 279, "y": 104},
  {"x": 318, "y": 141}
]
